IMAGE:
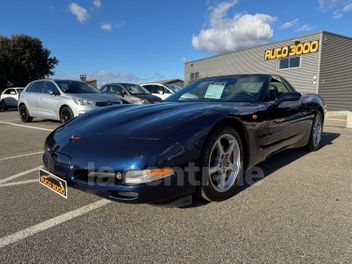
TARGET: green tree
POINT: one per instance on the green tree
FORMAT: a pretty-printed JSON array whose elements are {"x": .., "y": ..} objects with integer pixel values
[{"x": 24, "y": 59}]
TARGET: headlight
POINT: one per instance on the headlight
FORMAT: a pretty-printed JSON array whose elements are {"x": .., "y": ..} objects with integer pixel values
[
  {"x": 142, "y": 102},
  {"x": 81, "y": 101},
  {"x": 144, "y": 176}
]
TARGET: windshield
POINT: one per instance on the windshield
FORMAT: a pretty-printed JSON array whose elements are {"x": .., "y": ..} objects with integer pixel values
[
  {"x": 222, "y": 89},
  {"x": 76, "y": 87},
  {"x": 136, "y": 89},
  {"x": 173, "y": 87}
]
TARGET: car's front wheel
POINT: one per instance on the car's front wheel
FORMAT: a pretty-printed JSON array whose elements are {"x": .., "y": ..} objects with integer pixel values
[
  {"x": 316, "y": 132},
  {"x": 24, "y": 114},
  {"x": 222, "y": 162},
  {"x": 3, "y": 105},
  {"x": 66, "y": 114}
]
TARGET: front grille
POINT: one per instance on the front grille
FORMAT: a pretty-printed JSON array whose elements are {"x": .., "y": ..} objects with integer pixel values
[
  {"x": 102, "y": 104},
  {"x": 93, "y": 178}
]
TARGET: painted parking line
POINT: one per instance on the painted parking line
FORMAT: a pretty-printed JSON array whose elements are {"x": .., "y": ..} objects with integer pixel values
[
  {"x": 2, "y": 181},
  {"x": 17, "y": 183},
  {"x": 25, "y": 126},
  {"x": 337, "y": 119},
  {"x": 22, "y": 155},
  {"x": 13, "y": 238}
]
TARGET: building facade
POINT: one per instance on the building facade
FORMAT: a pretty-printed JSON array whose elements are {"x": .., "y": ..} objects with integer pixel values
[{"x": 316, "y": 63}]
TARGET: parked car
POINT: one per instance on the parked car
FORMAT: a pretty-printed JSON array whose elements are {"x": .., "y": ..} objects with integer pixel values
[
  {"x": 161, "y": 90},
  {"x": 9, "y": 97},
  {"x": 132, "y": 93},
  {"x": 61, "y": 100},
  {"x": 199, "y": 145}
]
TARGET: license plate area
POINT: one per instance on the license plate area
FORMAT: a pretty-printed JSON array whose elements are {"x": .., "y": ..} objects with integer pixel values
[{"x": 52, "y": 182}]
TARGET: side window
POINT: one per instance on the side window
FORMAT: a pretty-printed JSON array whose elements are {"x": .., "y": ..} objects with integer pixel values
[
  {"x": 149, "y": 88},
  {"x": 116, "y": 89},
  {"x": 8, "y": 91},
  {"x": 49, "y": 86},
  {"x": 35, "y": 87},
  {"x": 281, "y": 88},
  {"x": 104, "y": 89},
  {"x": 161, "y": 89},
  {"x": 276, "y": 88}
]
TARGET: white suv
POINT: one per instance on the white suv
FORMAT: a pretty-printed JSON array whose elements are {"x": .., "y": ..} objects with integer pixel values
[{"x": 9, "y": 97}]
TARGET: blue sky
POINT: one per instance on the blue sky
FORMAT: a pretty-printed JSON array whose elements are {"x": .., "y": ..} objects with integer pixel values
[{"x": 138, "y": 40}]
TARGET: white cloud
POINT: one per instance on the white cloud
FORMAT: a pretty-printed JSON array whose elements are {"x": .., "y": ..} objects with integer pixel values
[
  {"x": 113, "y": 76},
  {"x": 290, "y": 24},
  {"x": 121, "y": 24},
  {"x": 342, "y": 11},
  {"x": 325, "y": 4},
  {"x": 97, "y": 3},
  {"x": 79, "y": 12},
  {"x": 106, "y": 27},
  {"x": 104, "y": 76},
  {"x": 304, "y": 28},
  {"x": 228, "y": 34}
]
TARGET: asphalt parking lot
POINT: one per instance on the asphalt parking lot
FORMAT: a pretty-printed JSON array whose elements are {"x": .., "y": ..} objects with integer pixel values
[{"x": 300, "y": 212}]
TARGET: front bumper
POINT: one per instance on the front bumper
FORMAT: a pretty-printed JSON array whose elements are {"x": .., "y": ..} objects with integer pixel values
[
  {"x": 81, "y": 109},
  {"x": 161, "y": 190}
]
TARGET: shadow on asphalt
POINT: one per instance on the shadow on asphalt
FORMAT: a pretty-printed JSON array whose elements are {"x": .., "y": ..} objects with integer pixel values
[{"x": 274, "y": 163}]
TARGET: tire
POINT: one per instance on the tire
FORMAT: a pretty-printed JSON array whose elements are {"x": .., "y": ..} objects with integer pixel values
[
  {"x": 316, "y": 133},
  {"x": 66, "y": 114},
  {"x": 222, "y": 164},
  {"x": 3, "y": 106},
  {"x": 24, "y": 114}
]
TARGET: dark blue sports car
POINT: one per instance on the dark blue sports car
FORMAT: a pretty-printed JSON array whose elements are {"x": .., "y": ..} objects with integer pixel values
[{"x": 200, "y": 141}]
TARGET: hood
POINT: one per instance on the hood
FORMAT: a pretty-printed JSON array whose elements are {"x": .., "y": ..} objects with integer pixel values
[
  {"x": 149, "y": 97},
  {"x": 97, "y": 97},
  {"x": 154, "y": 121}
]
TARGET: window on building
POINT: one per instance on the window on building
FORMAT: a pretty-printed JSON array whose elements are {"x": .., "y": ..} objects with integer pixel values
[
  {"x": 289, "y": 63},
  {"x": 194, "y": 75}
]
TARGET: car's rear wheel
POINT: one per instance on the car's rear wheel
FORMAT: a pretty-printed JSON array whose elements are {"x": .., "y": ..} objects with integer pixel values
[
  {"x": 222, "y": 164},
  {"x": 3, "y": 105},
  {"x": 66, "y": 114},
  {"x": 316, "y": 132},
  {"x": 24, "y": 114}
]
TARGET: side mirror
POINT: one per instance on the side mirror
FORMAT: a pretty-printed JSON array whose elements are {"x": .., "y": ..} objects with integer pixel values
[
  {"x": 288, "y": 97},
  {"x": 53, "y": 93}
]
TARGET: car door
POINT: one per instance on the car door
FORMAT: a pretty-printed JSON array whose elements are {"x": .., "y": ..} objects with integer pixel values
[
  {"x": 9, "y": 96},
  {"x": 32, "y": 95},
  {"x": 287, "y": 122},
  {"x": 49, "y": 100}
]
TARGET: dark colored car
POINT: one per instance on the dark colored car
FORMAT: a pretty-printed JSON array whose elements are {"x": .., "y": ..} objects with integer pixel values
[
  {"x": 200, "y": 141},
  {"x": 132, "y": 93}
]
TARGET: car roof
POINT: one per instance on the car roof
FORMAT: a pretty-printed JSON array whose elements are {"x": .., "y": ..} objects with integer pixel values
[
  {"x": 121, "y": 83},
  {"x": 153, "y": 83},
  {"x": 14, "y": 88},
  {"x": 55, "y": 80}
]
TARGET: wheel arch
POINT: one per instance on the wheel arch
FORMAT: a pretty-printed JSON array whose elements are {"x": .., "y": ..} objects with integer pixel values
[
  {"x": 235, "y": 123},
  {"x": 61, "y": 107}
]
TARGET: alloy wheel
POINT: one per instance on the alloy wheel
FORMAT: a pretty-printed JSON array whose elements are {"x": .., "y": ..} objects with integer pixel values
[
  {"x": 317, "y": 131},
  {"x": 66, "y": 115},
  {"x": 224, "y": 163}
]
